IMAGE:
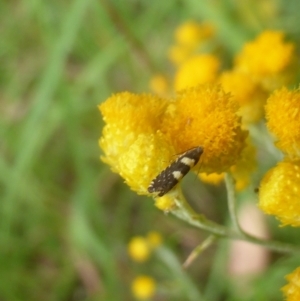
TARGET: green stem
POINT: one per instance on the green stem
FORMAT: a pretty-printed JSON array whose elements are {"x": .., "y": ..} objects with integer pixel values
[
  {"x": 231, "y": 202},
  {"x": 185, "y": 212},
  {"x": 199, "y": 249}
]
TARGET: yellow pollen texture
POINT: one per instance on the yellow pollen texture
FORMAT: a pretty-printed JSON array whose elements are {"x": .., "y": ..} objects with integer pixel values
[
  {"x": 292, "y": 289},
  {"x": 283, "y": 120},
  {"x": 206, "y": 116},
  {"x": 279, "y": 193},
  {"x": 131, "y": 139}
]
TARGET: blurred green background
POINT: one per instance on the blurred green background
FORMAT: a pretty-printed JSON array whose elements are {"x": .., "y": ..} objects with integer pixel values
[{"x": 65, "y": 218}]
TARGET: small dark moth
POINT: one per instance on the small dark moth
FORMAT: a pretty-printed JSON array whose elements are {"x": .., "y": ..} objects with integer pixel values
[{"x": 170, "y": 176}]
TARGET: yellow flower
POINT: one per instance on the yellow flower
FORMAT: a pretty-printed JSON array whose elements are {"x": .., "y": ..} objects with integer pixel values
[
  {"x": 143, "y": 287},
  {"x": 266, "y": 57},
  {"x": 159, "y": 85},
  {"x": 154, "y": 239},
  {"x": 213, "y": 178},
  {"x": 267, "y": 54},
  {"x": 283, "y": 120},
  {"x": 248, "y": 94},
  {"x": 206, "y": 116},
  {"x": 143, "y": 133},
  {"x": 191, "y": 33},
  {"x": 141, "y": 112},
  {"x": 279, "y": 192},
  {"x": 199, "y": 69},
  {"x": 131, "y": 140},
  {"x": 139, "y": 249},
  {"x": 188, "y": 38},
  {"x": 291, "y": 290}
]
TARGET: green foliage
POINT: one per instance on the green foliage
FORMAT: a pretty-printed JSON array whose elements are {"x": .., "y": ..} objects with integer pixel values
[{"x": 65, "y": 218}]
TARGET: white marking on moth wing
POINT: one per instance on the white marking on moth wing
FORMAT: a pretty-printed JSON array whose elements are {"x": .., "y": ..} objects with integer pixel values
[
  {"x": 188, "y": 161},
  {"x": 177, "y": 175}
]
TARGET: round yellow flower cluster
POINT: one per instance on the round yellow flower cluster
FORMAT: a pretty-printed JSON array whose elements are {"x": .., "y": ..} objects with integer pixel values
[
  {"x": 210, "y": 109},
  {"x": 279, "y": 193},
  {"x": 189, "y": 36},
  {"x": 280, "y": 189},
  {"x": 206, "y": 116},
  {"x": 131, "y": 139},
  {"x": 268, "y": 59},
  {"x": 143, "y": 287},
  {"x": 142, "y": 133},
  {"x": 140, "y": 247},
  {"x": 262, "y": 66},
  {"x": 283, "y": 120},
  {"x": 199, "y": 69}
]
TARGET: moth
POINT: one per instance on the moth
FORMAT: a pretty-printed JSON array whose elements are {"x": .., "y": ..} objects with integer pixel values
[{"x": 170, "y": 176}]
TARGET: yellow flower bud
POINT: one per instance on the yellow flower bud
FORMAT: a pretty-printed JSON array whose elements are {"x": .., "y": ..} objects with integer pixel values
[
  {"x": 138, "y": 249},
  {"x": 279, "y": 192},
  {"x": 283, "y": 120},
  {"x": 143, "y": 287}
]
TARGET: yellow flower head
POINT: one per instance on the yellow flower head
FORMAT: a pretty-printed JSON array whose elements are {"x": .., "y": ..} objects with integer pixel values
[
  {"x": 206, "y": 116},
  {"x": 188, "y": 38},
  {"x": 143, "y": 287},
  {"x": 266, "y": 55},
  {"x": 131, "y": 138},
  {"x": 141, "y": 112},
  {"x": 199, "y": 69},
  {"x": 279, "y": 192},
  {"x": 143, "y": 133},
  {"x": 248, "y": 94},
  {"x": 291, "y": 290},
  {"x": 191, "y": 33},
  {"x": 283, "y": 120},
  {"x": 139, "y": 249}
]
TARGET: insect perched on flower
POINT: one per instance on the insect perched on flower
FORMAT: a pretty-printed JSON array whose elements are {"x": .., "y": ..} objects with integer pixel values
[{"x": 170, "y": 176}]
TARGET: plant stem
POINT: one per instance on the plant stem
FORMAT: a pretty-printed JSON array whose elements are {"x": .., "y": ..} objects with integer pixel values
[
  {"x": 186, "y": 213},
  {"x": 231, "y": 200},
  {"x": 199, "y": 249}
]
